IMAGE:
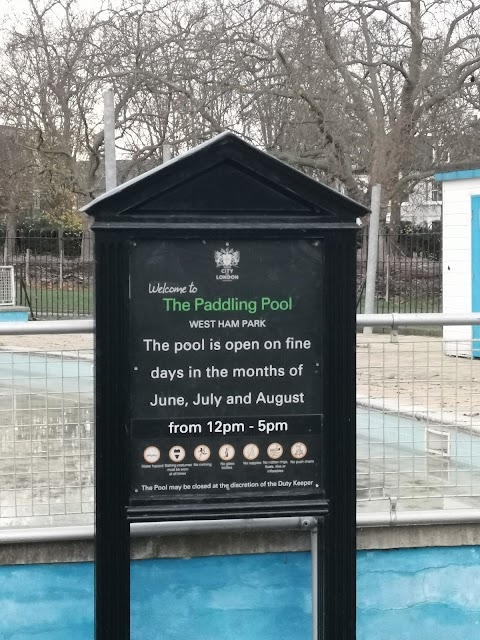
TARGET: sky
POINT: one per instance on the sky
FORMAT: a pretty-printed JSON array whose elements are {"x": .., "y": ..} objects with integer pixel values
[{"x": 11, "y": 11}]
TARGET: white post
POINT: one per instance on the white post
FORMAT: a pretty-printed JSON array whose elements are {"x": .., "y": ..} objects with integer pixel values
[
  {"x": 60, "y": 275},
  {"x": 60, "y": 257},
  {"x": 166, "y": 152},
  {"x": 109, "y": 139},
  {"x": 387, "y": 284},
  {"x": 372, "y": 259},
  {"x": 27, "y": 267}
]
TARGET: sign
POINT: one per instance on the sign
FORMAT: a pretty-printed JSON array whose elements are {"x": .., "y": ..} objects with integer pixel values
[
  {"x": 225, "y": 363},
  {"x": 227, "y": 369}
]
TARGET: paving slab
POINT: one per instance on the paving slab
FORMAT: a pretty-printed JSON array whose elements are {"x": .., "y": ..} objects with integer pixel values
[{"x": 414, "y": 377}]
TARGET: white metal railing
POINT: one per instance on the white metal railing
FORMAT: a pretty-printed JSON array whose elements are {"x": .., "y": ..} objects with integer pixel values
[
  {"x": 388, "y": 320},
  {"x": 48, "y": 327},
  {"x": 395, "y": 320},
  {"x": 418, "y": 416},
  {"x": 7, "y": 286}
]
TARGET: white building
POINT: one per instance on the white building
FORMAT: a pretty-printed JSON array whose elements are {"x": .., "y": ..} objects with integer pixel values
[
  {"x": 461, "y": 257},
  {"x": 424, "y": 205}
]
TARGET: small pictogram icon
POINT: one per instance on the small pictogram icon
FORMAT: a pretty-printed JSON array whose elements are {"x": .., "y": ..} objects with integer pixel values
[
  {"x": 177, "y": 453},
  {"x": 202, "y": 453},
  {"x": 226, "y": 452},
  {"x": 151, "y": 455},
  {"x": 250, "y": 451},
  {"x": 299, "y": 450},
  {"x": 275, "y": 450}
]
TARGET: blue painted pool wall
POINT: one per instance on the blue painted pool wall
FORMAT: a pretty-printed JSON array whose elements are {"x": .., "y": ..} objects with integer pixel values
[
  {"x": 431, "y": 593},
  {"x": 408, "y": 594},
  {"x": 264, "y": 596},
  {"x": 13, "y": 316}
]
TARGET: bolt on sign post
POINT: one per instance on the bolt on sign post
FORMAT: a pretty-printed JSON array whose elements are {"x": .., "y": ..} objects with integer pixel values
[{"x": 225, "y": 327}]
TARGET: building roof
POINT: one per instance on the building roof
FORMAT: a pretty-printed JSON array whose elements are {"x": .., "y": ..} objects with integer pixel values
[{"x": 457, "y": 175}]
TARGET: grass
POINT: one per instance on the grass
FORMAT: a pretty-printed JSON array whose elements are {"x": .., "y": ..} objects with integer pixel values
[
  {"x": 430, "y": 304},
  {"x": 58, "y": 302}
]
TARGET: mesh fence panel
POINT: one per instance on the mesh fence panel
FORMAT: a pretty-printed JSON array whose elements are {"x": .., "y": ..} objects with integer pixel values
[
  {"x": 46, "y": 438},
  {"x": 7, "y": 286}
]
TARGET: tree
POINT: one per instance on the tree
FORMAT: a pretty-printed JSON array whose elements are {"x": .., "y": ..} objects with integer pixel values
[
  {"x": 364, "y": 81},
  {"x": 17, "y": 183},
  {"x": 57, "y": 63},
  {"x": 354, "y": 93}
]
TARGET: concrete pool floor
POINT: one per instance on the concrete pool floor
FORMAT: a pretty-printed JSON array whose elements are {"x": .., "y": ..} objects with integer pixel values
[
  {"x": 414, "y": 377},
  {"x": 57, "y": 342}
]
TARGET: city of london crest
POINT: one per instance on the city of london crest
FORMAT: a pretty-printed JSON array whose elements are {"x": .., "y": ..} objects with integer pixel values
[{"x": 226, "y": 259}]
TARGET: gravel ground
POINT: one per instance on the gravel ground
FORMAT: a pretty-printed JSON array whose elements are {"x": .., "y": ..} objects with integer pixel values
[
  {"x": 414, "y": 377},
  {"x": 47, "y": 342}
]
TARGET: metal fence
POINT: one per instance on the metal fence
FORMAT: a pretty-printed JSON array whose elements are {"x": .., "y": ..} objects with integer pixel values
[
  {"x": 418, "y": 421},
  {"x": 409, "y": 271},
  {"x": 46, "y": 424},
  {"x": 54, "y": 272},
  {"x": 418, "y": 425},
  {"x": 46, "y": 437}
]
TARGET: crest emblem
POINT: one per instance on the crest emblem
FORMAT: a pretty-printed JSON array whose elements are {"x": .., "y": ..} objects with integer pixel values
[
  {"x": 226, "y": 260},
  {"x": 227, "y": 257}
]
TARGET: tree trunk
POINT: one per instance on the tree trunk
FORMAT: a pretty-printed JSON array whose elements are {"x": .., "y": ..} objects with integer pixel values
[{"x": 395, "y": 220}]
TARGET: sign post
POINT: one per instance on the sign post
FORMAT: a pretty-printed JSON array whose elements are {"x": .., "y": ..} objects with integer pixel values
[{"x": 225, "y": 323}]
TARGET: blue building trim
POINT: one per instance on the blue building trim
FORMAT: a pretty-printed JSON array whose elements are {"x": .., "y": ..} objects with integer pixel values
[
  {"x": 457, "y": 175},
  {"x": 476, "y": 271}
]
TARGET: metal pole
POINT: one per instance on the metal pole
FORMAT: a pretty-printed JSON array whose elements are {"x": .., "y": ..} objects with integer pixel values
[
  {"x": 166, "y": 152},
  {"x": 164, "y": 529},
  {"x": 389, "y": 320},
  {"x": 395, "y": 320},
  {"x": 314, "y": 556},
  {"x": 418, "y": 518},
  {"x": 27, "y": 267},
  {"x": 372, "y": 258},
  {"x": 109, "y": 139},
  {"x": 45, "y": 328}
]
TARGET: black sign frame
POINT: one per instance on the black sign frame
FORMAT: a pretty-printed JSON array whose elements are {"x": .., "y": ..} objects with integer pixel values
[{"x": 225, "y": 189}]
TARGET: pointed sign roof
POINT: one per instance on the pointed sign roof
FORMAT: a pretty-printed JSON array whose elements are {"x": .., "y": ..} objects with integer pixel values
[{"x": 224, "y": 175}]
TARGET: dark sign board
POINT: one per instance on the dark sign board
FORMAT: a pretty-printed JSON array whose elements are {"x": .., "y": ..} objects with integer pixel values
[
  {"x": 225, "y": 362},
  {"x": 227, "y": 370}
]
